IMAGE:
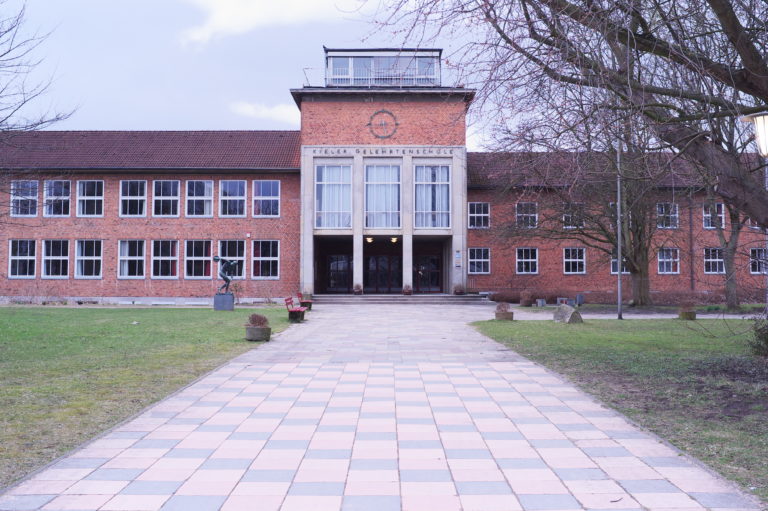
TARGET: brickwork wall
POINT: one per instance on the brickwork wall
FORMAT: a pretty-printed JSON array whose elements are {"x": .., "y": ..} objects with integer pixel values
[{"x": 112, "y": 228}]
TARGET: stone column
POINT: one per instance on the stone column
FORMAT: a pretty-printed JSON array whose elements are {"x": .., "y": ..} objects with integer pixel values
[
  {"x": 358, "y": 219},
  {"x": 307, "y": 249},
  {"x": 406, "y": 212},
  {"x": 408, "y": 260}
]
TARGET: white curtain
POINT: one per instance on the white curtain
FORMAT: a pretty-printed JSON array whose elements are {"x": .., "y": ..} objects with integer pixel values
[
  {"x": 382, "y": 196},
  {"x": 433, "y": 200},
  {"x": 333, "y": 196}
]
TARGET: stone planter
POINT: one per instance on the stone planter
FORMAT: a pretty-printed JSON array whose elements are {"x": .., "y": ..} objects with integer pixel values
[
  {"x": 505, "y": 316},
  {"x": 257, "y": 333},
  {"x": 687, "y": 315}
]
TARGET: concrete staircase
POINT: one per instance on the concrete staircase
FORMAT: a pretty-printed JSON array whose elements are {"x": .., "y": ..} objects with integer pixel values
[{"x": 427, "y": 299}]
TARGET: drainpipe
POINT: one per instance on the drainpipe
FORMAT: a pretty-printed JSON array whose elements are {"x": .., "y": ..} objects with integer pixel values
[{"x": 691, "y": 259}]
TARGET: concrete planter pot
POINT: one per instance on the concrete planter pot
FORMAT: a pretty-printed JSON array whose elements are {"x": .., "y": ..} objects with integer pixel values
[
  {"x": 687, "y": 315},
  {"x": 258, "y": 333},
  {"x": 505, "y": 316}
]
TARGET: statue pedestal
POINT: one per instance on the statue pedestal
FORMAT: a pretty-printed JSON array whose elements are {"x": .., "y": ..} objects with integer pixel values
[{"x": 224, "y": 302}]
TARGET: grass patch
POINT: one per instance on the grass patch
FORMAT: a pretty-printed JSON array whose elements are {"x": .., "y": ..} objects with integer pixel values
[
  {"x": 693, "y": 383},
  {"x": 66, "y": 375}
]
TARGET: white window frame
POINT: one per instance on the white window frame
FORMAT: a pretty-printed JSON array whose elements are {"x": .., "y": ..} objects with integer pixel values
[
  {"x": 160, "y": 198},
  {"x": 758, "y": 258},
  {"x": 615, "y": 264},
  {"x": 707, "y": 215},
  {"x": 347, "y": 185},
  {"x": 142, "y": 198},
  {"x": 79, "y": 257},
  {"x": 94, "y": 198},
  {"x": 574, "y": 260},
  {"x": 534, "y": 215},
  {"x": 44, "y": 273},
  {"x": 142, "y": 258},
  {"x": 49, "y": 200},
  {"x": 674, "y": 260},
  {"x": 389, "y": 183},
  {"x": 484, "y": 217},
  {"x": 524, "y": 260},
  {"x": 15, "y": 197},
  {"x": 482, "y": 260},
  {"x": 571, "y": 210},
  {"x": 243, "y": 198},
  {"x": 719, "y": 262},
  {"x": 242, "y": 259},
  {"x": 673, "y": 215},
  {"x": 431, "y": 183},
  {"x": 189, "y": 198},
  {"x": 188, "y": 258},
  {"x": 255, "y": 260},
  {"x": 164, "y": 258},
  {"x": 266, "y": 198},
  {"x": 12, "y": 258}
]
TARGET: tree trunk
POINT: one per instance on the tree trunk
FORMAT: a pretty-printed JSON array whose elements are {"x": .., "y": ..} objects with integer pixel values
[
  {"x": 641, "y": 286},
  {"x": 732, "y": 299}
]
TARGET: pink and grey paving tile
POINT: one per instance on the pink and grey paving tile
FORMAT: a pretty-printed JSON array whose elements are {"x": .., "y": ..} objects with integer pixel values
[{"x": 378, "y": 408}]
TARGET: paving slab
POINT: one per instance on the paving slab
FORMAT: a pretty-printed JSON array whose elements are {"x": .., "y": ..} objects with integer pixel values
[{"x": 378, "y": 407}]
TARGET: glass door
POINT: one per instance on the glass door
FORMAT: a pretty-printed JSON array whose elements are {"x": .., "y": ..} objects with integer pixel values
[
  {"x": 427, "y": 274},
  {"x": 383, "y": 274}
]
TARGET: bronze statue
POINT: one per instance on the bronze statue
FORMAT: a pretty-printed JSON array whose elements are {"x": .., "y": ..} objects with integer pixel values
[{"x": 225, "y": 272}]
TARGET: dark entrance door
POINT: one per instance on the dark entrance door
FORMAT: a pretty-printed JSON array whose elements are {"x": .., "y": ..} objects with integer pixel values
[
  {"x": 427, "y": 273},
  {"x": 383, "y": 274},
  {"x": 333, "y": 264},
  {"x": 339, "y": 272}
]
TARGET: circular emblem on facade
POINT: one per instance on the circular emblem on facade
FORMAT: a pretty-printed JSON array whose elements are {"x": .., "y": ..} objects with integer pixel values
[{"x": 383, "y": 124}]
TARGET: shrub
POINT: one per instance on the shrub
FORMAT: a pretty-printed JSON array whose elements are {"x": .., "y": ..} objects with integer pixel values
[
  {"x": 258, "y": 320},
  {"x": 502, "y": 307},
  {"x": 506, "y": 296},
  {"x": 758, "y": 343}
]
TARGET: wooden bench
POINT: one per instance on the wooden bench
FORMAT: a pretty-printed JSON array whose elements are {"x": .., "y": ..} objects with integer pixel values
[
  {"x": 295, "y": 314},
  {"x": 305, "y": 302}
]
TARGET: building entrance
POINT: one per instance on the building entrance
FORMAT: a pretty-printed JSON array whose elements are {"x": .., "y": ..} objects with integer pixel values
[
  {"x": 382, "y": 265},
  {"x": 333, "y": 265},
  {"x": 428, "y": 266}
]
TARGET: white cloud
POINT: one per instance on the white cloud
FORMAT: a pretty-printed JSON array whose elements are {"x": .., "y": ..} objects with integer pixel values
[
  {"x": 232, "y": 17},
  {"x": 283, "y": 113}
]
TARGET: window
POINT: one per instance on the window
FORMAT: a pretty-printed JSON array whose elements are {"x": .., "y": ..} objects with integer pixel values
[
  {"x": 56, "y": 198},
  {"x": 666, "y": 215},
  {"x": 24, "y": 198},
  {"x": 615, "y": 264},
  {"x": 197, "y": 259},
  {"x": 758, "y": 261},
  {"x": 713, "y": 260},
  {"x": 714, "y": 216},
  {"x": 200, "y": 198},
  {"x": 573, "y": 216},
  {"x": 526, "y": 215},
  {"x": 479, "y": 260},
  {"x": 433, "y": 196},
  {"x": 90, "y": 198},
  {"x": 382, "y": 196},
  {"x": 165, "y": 198},
  {"x": 266, "y": 259},
  {"x": 479, "y": 215},
  {"x": 133, "y": 198},
  {"x": 232, "y": 198},
  {"x": 266, "y": 198},
  {"x": 574, "y": 260},
  {"x": 131, "y": 259},
  {"x": 88, "y": 259},
  {"x": 234, "y": 250},
  {"x": 21, "y": 263},
  {"x": 56, "y": 259},
  {"x": 527, "y": 260},
  {"x": 669, "y": 261},
  {"x": 333, "y": 196},
  {"x": 165, "y": 259}
]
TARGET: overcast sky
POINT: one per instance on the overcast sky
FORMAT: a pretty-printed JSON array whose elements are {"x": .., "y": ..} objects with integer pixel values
[{"x": 189, "y": 64}]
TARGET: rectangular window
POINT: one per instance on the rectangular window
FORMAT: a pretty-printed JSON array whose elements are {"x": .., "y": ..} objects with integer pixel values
[
  {"x": 131, "y": 259},
  {"x": 24, "y": 198},
  {"x": 165, "y": 259},
  {"x": 433, "y": 196},
  {"x": 21, "y": 263},
  {"x": 88, "y": 259},
  {"x": 713, "y": 260},
  {"x": 232, "y": 198},
  {"x": 133, "y": 198},
  {"x": 615, "y": 264},
  {"x": 479, "y": 215},
  {"x": 573, "y": 216},
  {"x": 382, "y": 196},
  {"x": 200, "y": 198},
  {"x": 667, "y": 215},
  {"x": 266, "y": 259},
  {"x": 758, "y": 261},
  {"x": 56, "y": 259},
  {"x": 234, "y": 250},
  {"x": 526, "y": 215},
  {"x": 266, "y": 198},
  {"x": 197, "y": 259},
  {"x": 527, "y": 260},
  {"x": 574, "y": 260},
  {"x": 669, "y": 261},
  {"x": 165, "y": 198},
  {"x": 714, "y": 216},
  {"x": 333, "y": 196},
  {"x": 56, "y": 195},
  {"x": 90, "y": 198},
  {"x": 479, "y": 261}
]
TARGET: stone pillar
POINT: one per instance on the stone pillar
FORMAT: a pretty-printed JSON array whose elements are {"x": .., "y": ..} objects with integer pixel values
[
  {"x": 358, "y": 219},
  {"x": 357, "y": 260},
  {"x": 458, "y": 262},
  {"x": 307, "y": 248},
  {"x": 408, "y": 260}
]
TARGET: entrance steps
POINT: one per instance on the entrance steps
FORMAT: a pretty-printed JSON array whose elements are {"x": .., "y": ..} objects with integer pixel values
[{"x": 397, "y": 299}]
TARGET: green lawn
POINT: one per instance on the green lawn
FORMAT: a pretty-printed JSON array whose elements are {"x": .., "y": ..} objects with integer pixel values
[
  {"x": 693, "y": 383},
  {"x": 69, "y": 374}
]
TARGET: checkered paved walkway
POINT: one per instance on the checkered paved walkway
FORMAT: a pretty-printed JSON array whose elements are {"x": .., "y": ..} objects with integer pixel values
[{"x": 377, "y": 408}]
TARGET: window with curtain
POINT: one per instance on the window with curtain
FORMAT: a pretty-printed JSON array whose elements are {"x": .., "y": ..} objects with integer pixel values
[
  {"x": 333, "y": 196},
  {"x": 382, "y": 196},
  {"x": 433, "y": 196}
]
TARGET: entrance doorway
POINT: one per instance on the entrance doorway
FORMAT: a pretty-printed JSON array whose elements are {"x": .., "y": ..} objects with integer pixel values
[
  {"x": 382, "y": 265},
  {"x": 427, "y": 266},
  {"x": 333, "y": 264}
]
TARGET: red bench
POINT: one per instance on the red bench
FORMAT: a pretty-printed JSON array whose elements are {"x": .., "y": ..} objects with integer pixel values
[
  {"x": 305, "y": 302},
  {"x": 295, "y": 314}
]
